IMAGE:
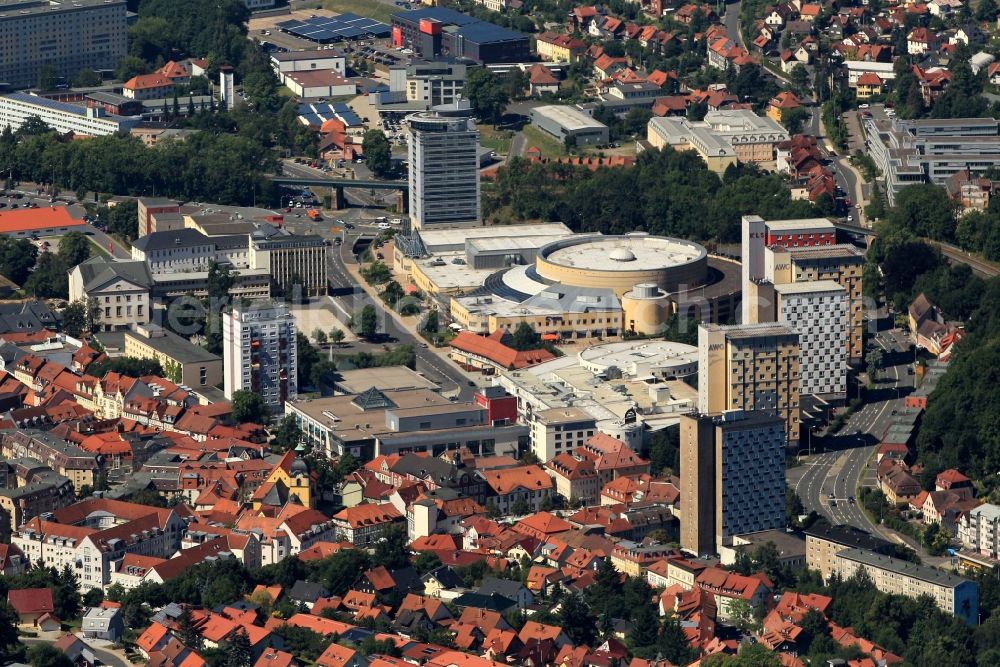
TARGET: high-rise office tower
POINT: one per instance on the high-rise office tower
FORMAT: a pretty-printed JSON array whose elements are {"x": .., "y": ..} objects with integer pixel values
[
  {"x": 732, "y": 476},
  {"x": 444, "y": 166},
  {"x": 759, "y": 234},
  {"x": 817, "y": 310},
  {"x": 843, "y": 263},
  {"x": 750, "y": 367},
  {"x": 258, "y": 344}
]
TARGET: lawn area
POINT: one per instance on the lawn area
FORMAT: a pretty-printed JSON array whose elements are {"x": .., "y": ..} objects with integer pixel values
[
  {"x": 96, "y": 250},
  {"x": 494, "y": 139},
  {"x": 543, "y": 142},
  {"x": 379, "y": 11}
]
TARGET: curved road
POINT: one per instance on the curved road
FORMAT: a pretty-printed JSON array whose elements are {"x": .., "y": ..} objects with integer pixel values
[{"x": 438, "y": 369}]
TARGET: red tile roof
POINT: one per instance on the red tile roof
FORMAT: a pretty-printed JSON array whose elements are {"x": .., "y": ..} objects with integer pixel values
[
  {"x": 496, "y": 352},
  {"x": 33, "y": 219},
  {"x": 31, "y": 600}
]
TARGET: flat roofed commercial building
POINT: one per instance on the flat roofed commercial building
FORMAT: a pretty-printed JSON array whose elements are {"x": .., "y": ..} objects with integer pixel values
[
  {"x": 435, "y": 31},
  {"x": 377, "y": 422},
  {"x": 750, "y": 367},
  {"x": 295, "y": 262},
  {"x": 70, "y": 36},
  {"x": 16, "y": 108},
  {"x": 931, "y": 150},
  {"x": 183, "y": 362},
  {"x": 950, "y": 592},
  {"x": 566, "y": 122}
]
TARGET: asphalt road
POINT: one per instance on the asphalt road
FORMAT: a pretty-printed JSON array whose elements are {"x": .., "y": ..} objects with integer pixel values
[
  {"x": 432, "y": 365},
  {"x": 827, "y": 480}
]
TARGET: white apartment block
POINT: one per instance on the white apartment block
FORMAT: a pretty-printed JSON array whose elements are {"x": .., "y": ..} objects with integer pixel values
[
  {"x": 259, "y": 353},
  {"x": 950, "y": 593},
  {"x": 560, "y": 430},
  {"x": 92, "y": 552},
  {"x": 70, "y": 36},
  {"x": 979, "y": 530},
  {"x": 820, "y": 312},
  {"x": 16, "y": 108},
  {"x": 444, "y": 167}
]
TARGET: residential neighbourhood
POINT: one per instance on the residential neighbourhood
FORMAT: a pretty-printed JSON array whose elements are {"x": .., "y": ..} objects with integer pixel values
[{"x": 499, "y": 332}]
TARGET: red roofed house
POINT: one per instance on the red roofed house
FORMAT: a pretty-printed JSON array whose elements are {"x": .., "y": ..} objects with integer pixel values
[
  {"x": 148, "y": 87},
  {"x": 612, "y": 458},
  {"x": 31, "y": 604},
  {"x": 488, "y": 352},
  {"x": 869, "y": 84},
  {"x": 176, "y": 73},
  {"x": 337, "y": 655},
  {"x": 509, "y": 486},
  {"x": 575, "y": 477},
  {"x": 728, "y": 586},
  {"x": 541, "y": 80},
  {"x": 363, "y": 525},
  {"x": 782, "y": 102},
  {"x": 920, "y": 41}
]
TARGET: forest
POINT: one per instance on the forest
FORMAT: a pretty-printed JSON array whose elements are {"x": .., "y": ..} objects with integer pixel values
[
  {"x": 666, "y": 192},
  {"x": 959, "y": 428}
]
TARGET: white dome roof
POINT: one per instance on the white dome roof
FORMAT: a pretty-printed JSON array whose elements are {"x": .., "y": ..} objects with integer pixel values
[{"x": 622, "y": 255}]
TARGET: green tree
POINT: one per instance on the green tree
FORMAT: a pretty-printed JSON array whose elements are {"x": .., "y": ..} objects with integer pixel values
[
  {"x": 378, "y": 152},
  {"x": 74, "y": 319},
  {"x": 323, "y": 373},
  {"x": 48, "y": 280},
  {"x": 288, "y": 435},
  {"x": 392, "y": 293},
  {"x": 431, "y": 322},
  {"x": 238, "y": 650},
  {"x": 336, "y": 336},
  {"x": 48, "y": 78},
  {"x": 873, "y": 364},
  {"x": 487, "y": 95},
  {"x": 520, "y": 507},
  {"x": 307, "y": 356},
  {"x": 672, "y": 643},
  {"x": 426, "y": 561},
  {"x": 47, "y": 655},
  {"x": 645, "y": 627},
  {"x": 368, "y": 322},
  {"x": 17, "y": 258},
  {"x": 800, "y": 78},
  {"x": 516, "y": 83},
  {"x": 986, "y": 11},
  {"x": 319, "y": 335},
  {"x": 391, "y": 551},
  {"x": 249, "y": 407},
  {"x": 741, "y": 614},
  {"x": 74, "y": 248},
  {"x": 87, "y": 78},
  {"x": 577, "y": 621},
  {"x": 187, "y": 633},
  {"x": 9, "y": 641},
  {"x": 794, "y": 119},
  {"x": 525, "y": 337}
]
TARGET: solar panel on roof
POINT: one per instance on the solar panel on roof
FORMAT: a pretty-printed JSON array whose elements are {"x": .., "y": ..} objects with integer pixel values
[{"x": 344, "y": 26}]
